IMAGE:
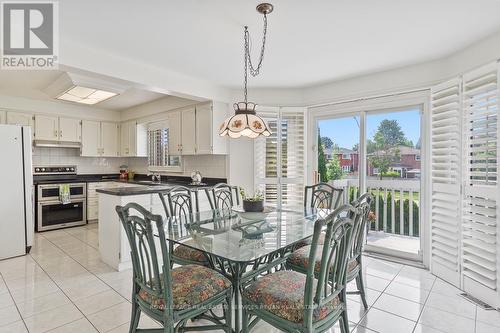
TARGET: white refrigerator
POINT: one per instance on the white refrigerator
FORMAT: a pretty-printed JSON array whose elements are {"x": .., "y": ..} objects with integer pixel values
[{"x": 16, "y": 191}]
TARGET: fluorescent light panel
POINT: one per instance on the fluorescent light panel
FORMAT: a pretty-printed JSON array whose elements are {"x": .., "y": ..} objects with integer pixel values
[{"x": 84, "y": 95}]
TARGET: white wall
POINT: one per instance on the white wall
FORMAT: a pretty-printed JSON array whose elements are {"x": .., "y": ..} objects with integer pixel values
[{"x": 241, "y": 163}]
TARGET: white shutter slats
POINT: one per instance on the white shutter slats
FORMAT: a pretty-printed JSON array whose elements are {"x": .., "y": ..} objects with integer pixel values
[
  {"x": 480, "y": 199},
  {"x": 445, "y": 175}
]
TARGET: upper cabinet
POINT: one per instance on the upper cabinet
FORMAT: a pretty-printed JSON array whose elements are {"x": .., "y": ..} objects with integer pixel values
[
  {"x": 133, "y": 139},
  {"x": 188, "y": 121},
  {"x": 3, "y": 115},
  {"x": 19, "y": 118},
  {"x": 53, "y": 128},
  {"x": 200, "y": 129},
  {"x": 100, "y": 139},
  {"x": 70, "y": 129}
]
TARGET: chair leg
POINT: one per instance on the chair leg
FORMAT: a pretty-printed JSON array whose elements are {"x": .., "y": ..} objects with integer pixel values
[
  {"x": 136, "y": 316},
  {"x": 344, "y": 322},
  {"x": 245, "y": 318},
  {"x": 361, "y": 288},
  {"x": 229, "y": 312}
]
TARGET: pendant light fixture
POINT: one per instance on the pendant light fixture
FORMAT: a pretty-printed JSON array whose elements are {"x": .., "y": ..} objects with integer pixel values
[{"x": 245, "y": 121}]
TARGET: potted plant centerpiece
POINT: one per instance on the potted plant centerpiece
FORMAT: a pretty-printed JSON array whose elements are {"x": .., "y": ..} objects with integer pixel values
[{"x": 254, "y": 203}]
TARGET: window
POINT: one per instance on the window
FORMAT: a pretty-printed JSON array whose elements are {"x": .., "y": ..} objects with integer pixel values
[
  {"x": 279, "y": 158},
  {"x": 417, "y": 157},
  {"x": 346, "y": 156},
  {"x": 159, "y": 158},
  {"x": 345, "y": 168}
]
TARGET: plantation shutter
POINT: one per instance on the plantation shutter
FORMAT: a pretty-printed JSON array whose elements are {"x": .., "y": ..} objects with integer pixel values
[
  {"x": 480, "y": 234},
  {"x": 279, "y": 159},
  {"x": 445, "y": 174}
]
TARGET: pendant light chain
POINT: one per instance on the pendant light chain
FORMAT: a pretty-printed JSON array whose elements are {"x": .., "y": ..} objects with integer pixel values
[{"x": 254, "y": 71}]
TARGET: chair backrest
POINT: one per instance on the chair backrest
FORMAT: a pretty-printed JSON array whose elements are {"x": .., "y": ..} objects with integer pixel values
[
  {"x": 331, "y": 277},
  {"x": 223, "y": 196},
  {"x": 178, "y": 201},
  {"x": 150, "y": 255},
  {"x": 322, "y": 195},
  {"x": 363, "y": 205}
]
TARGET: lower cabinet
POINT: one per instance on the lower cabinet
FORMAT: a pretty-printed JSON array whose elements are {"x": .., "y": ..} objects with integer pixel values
[{"x": 93, "y": 197}]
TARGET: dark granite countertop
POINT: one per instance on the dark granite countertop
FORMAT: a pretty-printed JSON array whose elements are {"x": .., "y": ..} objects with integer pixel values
[
  {"x": 147, "y": 189},
  {"x": 139, "y": 179}
]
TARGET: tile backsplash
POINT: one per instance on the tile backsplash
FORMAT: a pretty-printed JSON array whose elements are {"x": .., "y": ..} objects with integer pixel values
[{"x": 209, "y": 165}]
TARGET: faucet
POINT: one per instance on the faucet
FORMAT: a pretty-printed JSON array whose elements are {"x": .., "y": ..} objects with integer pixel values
[{"x": 155, "y": 177}]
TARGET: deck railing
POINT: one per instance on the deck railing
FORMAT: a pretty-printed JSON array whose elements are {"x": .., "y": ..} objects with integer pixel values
[{"x": 396, "y": 203}]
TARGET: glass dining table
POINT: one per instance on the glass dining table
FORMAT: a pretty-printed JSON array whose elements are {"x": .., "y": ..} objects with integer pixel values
[{"x": 241, "y": 245}]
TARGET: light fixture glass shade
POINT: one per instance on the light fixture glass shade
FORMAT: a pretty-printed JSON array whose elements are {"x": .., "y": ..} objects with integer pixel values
[
  {"x": 245, "y": 122},
  {"x": 84, "y": 95}
]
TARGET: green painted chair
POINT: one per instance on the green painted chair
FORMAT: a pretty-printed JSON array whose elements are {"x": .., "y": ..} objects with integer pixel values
[
  {"x": 311, "y": 302},
  {"x": 223, "y": 196},
  {"x": 169, "y": 296},
  {"x": 178, "y": 201},
  {"x": 321, "y": 195},
  {"x": 299, "y": 259}
]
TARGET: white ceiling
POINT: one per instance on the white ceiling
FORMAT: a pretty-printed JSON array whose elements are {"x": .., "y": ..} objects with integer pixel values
[
  {"x": 310, "y": 42},
  {"x": 31, "y": 84}
]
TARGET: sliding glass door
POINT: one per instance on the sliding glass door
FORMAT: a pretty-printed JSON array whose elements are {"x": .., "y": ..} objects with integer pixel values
[
  {"x": 388, "y": 164},
  {"x": 393, "y": 176}
]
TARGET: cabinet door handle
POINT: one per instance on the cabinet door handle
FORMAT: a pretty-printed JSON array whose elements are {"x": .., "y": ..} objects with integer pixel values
[
  {"x": 55, "y": 133},
  {"x": 60, "y": 133}
]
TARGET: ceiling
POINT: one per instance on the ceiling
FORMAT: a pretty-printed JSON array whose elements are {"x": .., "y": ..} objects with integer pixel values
[
  {"x": 31, "y": 84},
  {"x": 309, "y": 42}
]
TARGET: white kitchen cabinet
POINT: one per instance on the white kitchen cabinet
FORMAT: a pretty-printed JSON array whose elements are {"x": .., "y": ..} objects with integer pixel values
[
  {"x": 200, "y": 129},
  {"x": 53, "y": 128},
  {"x": 91, "y": 138},
  {"x": 109, "y": 139},
  {"x": 188, "y": 133},
  {"x": 3, "y": 115},
  {"x": 100, "y": 139},
  {"x": 133, "y": 139},
  {"x": 46, "y": 127},
  {"x": 174, "y": 133},
  {"x": 19, "y": 118},
  {"x": 70, "y": 129}
]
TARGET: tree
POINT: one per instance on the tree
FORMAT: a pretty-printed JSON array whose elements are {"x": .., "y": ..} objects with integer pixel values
[
  {"x": 321, "y": 161},
  {"x": 334, "y": 171},
  {"x": 326, "y": 142},
  {"x": 389, "y": 134},
  {"x": 383, "y": 149}
]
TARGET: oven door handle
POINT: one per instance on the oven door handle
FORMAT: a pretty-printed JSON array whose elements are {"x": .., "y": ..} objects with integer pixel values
[{"x": 59, "y": 202}]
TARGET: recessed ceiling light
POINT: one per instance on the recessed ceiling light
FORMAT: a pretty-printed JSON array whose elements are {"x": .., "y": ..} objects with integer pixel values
[{"x": 85, "y": 95}]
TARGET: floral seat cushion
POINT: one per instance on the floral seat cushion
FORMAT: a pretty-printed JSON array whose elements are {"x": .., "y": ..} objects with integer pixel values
[
  {"x": 308, "y": 241},
  {"x": 190, "y": 254},
  {"x": 282, "y": 294},
  {"x": 191, "y": 285},
  {"x": 300, "y": 258}
]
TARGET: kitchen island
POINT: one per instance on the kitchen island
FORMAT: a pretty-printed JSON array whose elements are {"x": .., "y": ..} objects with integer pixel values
[{"x": 113, "y": 242}]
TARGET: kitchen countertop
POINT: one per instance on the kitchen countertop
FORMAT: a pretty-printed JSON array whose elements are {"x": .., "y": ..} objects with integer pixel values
[
  {"x": 139, "y": 179},
  {"x": 148, "y": 189}
]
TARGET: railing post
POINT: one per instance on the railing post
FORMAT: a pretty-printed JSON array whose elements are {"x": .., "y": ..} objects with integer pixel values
[
  {"x": 410, "y": 212},
  {"x": 401, "y": 212},
  {"x": 377, "y": 202},
  {"x": 385, "y": 209},
  {"x": 393, "y": 212}
]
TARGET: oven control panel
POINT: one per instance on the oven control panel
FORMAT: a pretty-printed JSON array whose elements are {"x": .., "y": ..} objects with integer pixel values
[{"x": 55, "y": 170}]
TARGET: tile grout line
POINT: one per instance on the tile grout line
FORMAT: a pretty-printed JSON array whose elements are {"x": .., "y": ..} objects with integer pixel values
[
  {"x": 90, "y": 272},
  {"x": 84, "y": 316},
  {"x": 15, "y": 304},
  {"x": 375, "y": 301}
]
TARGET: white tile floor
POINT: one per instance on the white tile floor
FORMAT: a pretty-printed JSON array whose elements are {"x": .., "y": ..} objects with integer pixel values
[{"x": 62, "y": 286}]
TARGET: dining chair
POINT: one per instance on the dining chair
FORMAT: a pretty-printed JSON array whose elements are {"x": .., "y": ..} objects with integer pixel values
[
  {"x": 169, "y": 296},
  {"x": 322, "y": 195},
  {"x": 178, "y": 202},
  {"x": 299, "y": 259},
  {"x": 311, "y": 302},
  {"x": 355, "y": 266},
  {"x": 223, "y": 196}
]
